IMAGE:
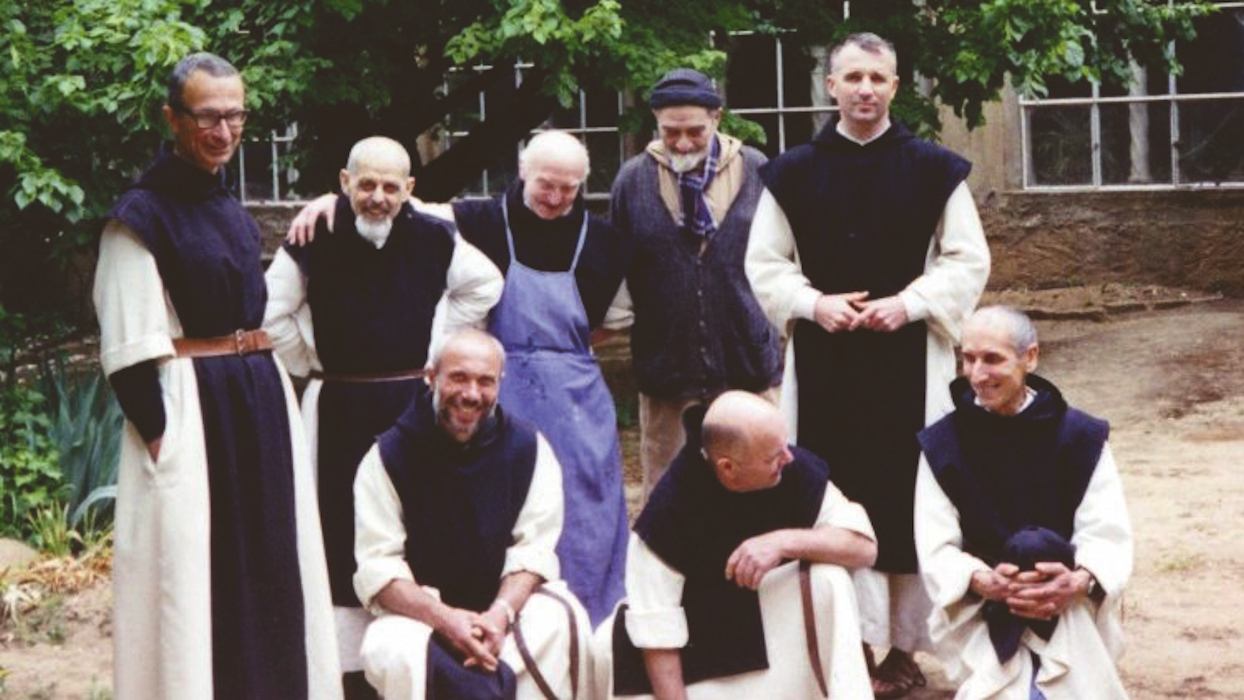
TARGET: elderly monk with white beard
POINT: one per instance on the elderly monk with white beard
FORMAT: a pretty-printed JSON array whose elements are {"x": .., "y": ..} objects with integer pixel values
[{"x": 355, "y": 311}]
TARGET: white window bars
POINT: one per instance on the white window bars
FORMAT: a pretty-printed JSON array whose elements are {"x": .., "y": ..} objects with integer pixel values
[{"x": 1160, "y": 132}]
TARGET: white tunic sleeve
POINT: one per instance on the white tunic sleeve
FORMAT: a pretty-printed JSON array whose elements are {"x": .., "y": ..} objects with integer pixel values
[
  {"x": 946, "y": 568},
  {"x": 654, "y": 615},
  {"x": 287, "y": 317},
  {"x": 838, "y": 511},
  {"x": 472, "y": 287},
  {"x": 773, "y": 269},
  {"x": 1103, "y": 531},
  {"x": 956, "y": 269},
  {"x": 539, "y": 523},
  {"x": 621, "y": 310},
  {"x": 134, "y": 313},
  {"x": 379, "y": 531}
]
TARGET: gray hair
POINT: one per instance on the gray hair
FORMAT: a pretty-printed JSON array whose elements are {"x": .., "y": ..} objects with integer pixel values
[
  {"x": 373, "y": 146},
  {"x": 557, "y": 146},
  {"x": 209, "y": 63},
  {"x": 865, "y": 40},
  {"x": 1020, "y": 329}
]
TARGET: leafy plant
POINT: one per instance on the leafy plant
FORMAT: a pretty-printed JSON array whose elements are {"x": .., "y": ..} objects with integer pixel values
[
  {"x": 85, "y": 425},
  {"x": 30, "y": 476}
]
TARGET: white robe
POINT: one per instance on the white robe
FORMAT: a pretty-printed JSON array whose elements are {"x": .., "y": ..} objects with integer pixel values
[
  {"x": 1078, "y": 660},
  {"x": 162, "y": 575},
  {"x": 394, "y": 648},
  {"x": 893, "y": 607},
  {"x": 472, "y": 286},
  {"x": 655, "y": 620}
]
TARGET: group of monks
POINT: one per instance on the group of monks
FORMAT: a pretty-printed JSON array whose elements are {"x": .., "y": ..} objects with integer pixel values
[{"x": 443, "y": 514}]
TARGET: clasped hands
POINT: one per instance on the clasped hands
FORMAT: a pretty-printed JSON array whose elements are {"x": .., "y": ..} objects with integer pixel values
[
  {"x": 477, "y": 636},
  {"x": 854, "y": 310},
  {"x": 1041, "y": 594}
]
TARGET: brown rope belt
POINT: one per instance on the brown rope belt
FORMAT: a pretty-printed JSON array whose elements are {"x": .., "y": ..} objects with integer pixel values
[
  {"x": 239, "y": 342},
  {"x": 401, "y": 376},
  {"x": 809, "y": 625},
  {"x": 530, "y": 662}
]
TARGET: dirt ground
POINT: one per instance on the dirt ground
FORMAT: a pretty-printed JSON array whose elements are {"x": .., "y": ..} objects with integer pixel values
[{"x": 1170, "y": 382}]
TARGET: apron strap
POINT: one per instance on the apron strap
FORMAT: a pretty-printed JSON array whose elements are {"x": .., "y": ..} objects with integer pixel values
[{"x": 509, "y": 235}]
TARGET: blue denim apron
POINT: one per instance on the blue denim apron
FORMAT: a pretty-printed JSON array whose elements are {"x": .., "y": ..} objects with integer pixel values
[{"x": 552, "y": 380}]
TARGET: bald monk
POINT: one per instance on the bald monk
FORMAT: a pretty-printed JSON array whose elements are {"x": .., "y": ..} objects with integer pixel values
[
  {"x": 355, "y": 311},
  {"x": 742, "y": 529}
]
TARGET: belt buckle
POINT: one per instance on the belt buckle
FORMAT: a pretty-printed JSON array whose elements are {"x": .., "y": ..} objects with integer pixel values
[{"x": 239, "y": 337}]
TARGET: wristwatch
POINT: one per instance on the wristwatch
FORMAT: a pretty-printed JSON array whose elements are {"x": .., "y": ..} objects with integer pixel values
[{"x": 1093, "y": 590}]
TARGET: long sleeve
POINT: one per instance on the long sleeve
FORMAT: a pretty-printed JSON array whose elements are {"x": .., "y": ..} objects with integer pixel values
[
  {"x": 773, "y": 269},
  {"x": 287, "y": 317},
  {"x": 654, "y": 615},
  {"x": 956, "y": 270},
  {"x": 472, "y": 287},
  {"x": 379, "y": 530},
  {"x": 1103, "y": 531},
  {"x": 539, "y": 523},
  {"x": 138, "y": 392},
  {"x": 946, "y": 568}
]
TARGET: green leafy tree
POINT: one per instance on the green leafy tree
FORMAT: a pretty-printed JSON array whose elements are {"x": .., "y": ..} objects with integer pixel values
[{"x": 81, "y": 80}]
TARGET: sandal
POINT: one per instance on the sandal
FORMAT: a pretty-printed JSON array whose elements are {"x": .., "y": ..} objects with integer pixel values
[
  {"x": 900, "y": 669},
  {"x": 884, "y": 689}
]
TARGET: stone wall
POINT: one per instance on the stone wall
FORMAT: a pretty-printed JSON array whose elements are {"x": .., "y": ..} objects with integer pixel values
[{"x": 1192, "y": 239}]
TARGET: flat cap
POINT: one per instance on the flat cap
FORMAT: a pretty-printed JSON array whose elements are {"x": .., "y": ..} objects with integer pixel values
[{"x": 684, "y": 86}]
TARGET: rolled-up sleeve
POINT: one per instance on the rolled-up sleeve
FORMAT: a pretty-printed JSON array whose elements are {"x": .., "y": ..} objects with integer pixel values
[
  {"x": 379, "y": 531},
  {"x": 654, "y": 616},
  {"x": 539, "y": 523},
  {"x": 838, "y": 511},
  {"x": 287, "y": 317},
  {"x": 130, "y": 301}
]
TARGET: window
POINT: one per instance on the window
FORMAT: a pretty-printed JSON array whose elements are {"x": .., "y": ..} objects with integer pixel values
[{"x": 1161, "y": 131}]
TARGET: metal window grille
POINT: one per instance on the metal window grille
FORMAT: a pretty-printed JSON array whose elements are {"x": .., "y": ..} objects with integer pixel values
[{"x": 1162, "y": 132}]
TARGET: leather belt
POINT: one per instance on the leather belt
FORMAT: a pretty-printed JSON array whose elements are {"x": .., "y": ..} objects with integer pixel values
[
  {"x": 368, "y": 378},
  {"x": 239, "y": 342}
]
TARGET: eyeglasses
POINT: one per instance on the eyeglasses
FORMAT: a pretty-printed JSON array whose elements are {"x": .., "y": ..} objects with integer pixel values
[{"x": 208, "y": 120}]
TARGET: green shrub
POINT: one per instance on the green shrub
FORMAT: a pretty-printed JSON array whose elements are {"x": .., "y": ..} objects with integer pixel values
[
  {"x": 30, "y": 475},
  {"x": 86, "y": 424}
]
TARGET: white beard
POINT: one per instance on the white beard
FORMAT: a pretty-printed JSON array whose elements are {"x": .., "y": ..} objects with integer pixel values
[
  {"x": 686, "y": 162},
  {"x": 376, "y": 232}
]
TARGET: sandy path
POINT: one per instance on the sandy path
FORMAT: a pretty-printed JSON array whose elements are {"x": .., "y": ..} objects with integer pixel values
[{"x": 1172, "y": 385}]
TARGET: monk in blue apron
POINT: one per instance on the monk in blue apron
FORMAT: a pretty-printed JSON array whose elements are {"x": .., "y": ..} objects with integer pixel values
[{"x": 553, "y": 380}]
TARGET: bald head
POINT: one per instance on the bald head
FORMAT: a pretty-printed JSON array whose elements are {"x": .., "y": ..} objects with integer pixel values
[
  {"x": 379, "y": 151},
  {"x": 377, "y": 181},
  {"x": 554, "y": 148},
  {"x": 745, "y": 439},
  {"x": 553, "y": 166},
  {"x": 470, "y": 341}
]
